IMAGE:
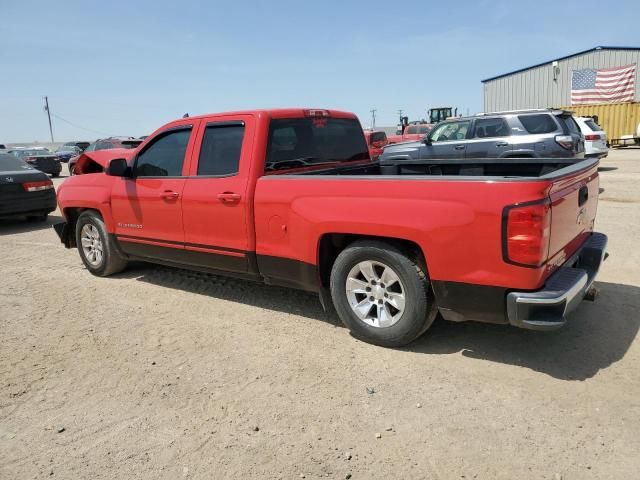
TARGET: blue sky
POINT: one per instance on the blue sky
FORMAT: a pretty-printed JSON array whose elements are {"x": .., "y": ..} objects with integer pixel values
[{"x": 115, "y": 68}]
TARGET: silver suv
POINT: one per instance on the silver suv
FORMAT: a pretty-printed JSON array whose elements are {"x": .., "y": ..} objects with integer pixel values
[{"x": 544, "y": 133}]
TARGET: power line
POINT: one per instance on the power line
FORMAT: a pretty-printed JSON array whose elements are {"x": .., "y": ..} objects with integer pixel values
[{"x": 78, "y": 126}]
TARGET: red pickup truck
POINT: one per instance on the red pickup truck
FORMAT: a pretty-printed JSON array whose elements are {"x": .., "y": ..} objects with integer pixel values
[
  {"x": 290, "y": 197},
  {"x": 412, "y": 133}
]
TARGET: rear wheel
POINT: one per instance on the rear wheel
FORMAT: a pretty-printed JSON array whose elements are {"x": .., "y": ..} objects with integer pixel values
[
  {"x": 381, "y": 294},
  {"x": 97, "y": 249}
]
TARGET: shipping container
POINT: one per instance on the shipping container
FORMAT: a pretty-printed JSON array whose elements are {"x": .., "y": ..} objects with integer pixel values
[{"x": 617, "y": 119}]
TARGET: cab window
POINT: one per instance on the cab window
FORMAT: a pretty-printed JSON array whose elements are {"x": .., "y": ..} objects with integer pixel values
[
  {"x": 220, "y": 151},
  {"x": 450, "y": 131},
  {"x": 491, "y": 127},
  {"x": 164, "y": 156}
]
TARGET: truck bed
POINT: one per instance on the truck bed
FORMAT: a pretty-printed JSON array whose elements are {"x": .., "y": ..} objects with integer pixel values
[{"x": 511, "y": 168}]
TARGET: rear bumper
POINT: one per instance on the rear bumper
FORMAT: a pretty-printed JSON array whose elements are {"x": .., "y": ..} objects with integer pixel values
[
  {"x": 34, "y": 203},
  {"x": 546, "y": 309}
]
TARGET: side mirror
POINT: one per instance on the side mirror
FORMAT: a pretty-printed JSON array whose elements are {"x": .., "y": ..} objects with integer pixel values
[
  {"x": 118, "y": 168},
  {"x": 426, "y": 140}
]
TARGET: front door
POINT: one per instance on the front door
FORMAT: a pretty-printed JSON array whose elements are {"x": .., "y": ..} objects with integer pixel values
[
  {"x": 147, "y": 208},
  {"x": 447, "y": 140},
  {"x": 217, "y": 213}
]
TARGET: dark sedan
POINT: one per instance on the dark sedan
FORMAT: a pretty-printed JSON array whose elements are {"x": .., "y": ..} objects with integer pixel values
[
  {"x": 65, "y": 152},
  {"x": 39, "y": 158},
  {"x": 24, "y": 191}
]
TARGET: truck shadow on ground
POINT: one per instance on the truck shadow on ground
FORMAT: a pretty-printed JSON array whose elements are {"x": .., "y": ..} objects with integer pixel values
[
  {"x": 596, "y": 336},
  {"x": 10, "y": 226},
  {"x": 234, "y": 290}
]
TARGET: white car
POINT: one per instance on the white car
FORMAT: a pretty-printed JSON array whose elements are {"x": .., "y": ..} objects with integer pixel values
[{"x": 595, "y": 139}]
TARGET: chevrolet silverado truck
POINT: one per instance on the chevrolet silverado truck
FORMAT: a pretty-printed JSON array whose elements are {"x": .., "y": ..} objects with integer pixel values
[{"x": 291, "y": 197}]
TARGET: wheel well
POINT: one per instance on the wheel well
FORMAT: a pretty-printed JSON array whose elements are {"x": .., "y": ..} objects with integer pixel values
[
  {"x": 72, "y": 214},
  {"x": 331, "y": 244}
]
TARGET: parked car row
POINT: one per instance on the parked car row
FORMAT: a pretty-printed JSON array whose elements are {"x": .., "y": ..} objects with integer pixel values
[{"x": 39, "y": 158}]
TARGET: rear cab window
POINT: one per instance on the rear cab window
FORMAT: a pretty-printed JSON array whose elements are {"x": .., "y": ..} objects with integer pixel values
[
  {"x": 313, "y": 141},
  {"x": 378, "y": 137},
  {"x": 538, "y": 123}
]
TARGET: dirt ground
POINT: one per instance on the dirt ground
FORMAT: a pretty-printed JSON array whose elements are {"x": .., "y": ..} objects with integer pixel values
[{"x": 163, "y": 374}]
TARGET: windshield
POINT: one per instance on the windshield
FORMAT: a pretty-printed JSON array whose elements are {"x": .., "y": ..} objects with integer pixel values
[
  {"x": 9, "y": 163},
  {"x": 298, "y": 142}
]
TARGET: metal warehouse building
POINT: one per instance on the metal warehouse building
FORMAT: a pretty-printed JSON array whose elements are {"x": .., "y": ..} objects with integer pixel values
[{"x": 549, "y": 85}]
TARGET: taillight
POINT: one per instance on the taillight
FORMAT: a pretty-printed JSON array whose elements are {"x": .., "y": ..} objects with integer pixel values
[
  {"x": 38, "y": 186},
  {"x": 526, "y": 230},
  {"x": 592, "y": 137},
  {"x": 30, "y": 159},
  {"x": 565, "y": 141}
]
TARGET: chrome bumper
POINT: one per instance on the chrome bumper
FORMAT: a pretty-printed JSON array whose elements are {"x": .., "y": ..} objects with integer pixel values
[{"x": 546, "y": 309}]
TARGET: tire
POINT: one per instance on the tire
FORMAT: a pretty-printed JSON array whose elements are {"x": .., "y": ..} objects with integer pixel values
[
  {"x": 109, "y": 261},
  {"x": 55, "y": 175},
  {"x": 383, "y": 325}
]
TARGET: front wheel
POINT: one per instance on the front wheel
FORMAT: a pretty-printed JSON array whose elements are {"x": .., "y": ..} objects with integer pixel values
[
  {"x": 97, "y": 249},
  {"x": 381, "y": 294}
]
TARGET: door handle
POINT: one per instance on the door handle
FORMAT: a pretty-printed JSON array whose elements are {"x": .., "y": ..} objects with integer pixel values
[
  {"x": 459, "y": 147},
  {"x": 229, "y": 197},
  {"x": 169, "y": 195},
  {"x": 502, "y": 144}
]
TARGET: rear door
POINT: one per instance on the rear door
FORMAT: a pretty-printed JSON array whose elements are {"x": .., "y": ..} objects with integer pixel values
[
  {"x": 490, "y": 139},
  {"x": 147, "y": 208},
  {"x": 447, "y": 140},
  {"x": 217, "y": 207},
  {"x": 536, "y": 137}
]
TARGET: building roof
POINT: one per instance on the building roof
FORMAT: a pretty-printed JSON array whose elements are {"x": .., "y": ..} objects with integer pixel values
[{"x": 561, "y": 58}]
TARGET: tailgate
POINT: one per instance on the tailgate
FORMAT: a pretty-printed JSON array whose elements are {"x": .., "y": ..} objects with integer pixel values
[{"x": 574, "y": 201}]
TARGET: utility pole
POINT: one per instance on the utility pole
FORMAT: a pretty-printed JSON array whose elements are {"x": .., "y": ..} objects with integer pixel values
[
  {"x": 400, "y": 115},
  {"x": 46, "y": 108},
  {"x": 373, "y": 118}
]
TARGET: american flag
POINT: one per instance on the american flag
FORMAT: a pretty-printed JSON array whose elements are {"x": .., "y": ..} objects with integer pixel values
[{"x": 603, "y": 85}]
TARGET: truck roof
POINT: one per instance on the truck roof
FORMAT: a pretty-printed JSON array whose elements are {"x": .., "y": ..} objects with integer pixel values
[{"x": 276, "y": 113}]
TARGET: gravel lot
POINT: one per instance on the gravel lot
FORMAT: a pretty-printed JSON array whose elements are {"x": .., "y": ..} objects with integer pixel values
[{"x": 161, "y": 373}]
